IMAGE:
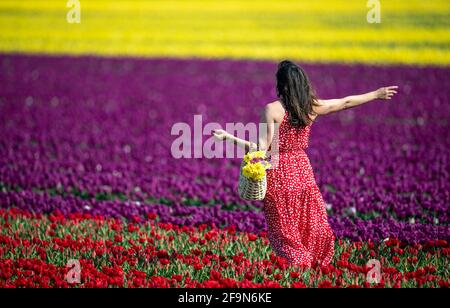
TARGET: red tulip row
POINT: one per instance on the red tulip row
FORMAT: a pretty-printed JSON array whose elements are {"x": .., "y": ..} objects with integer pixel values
[{"x": 35, "y": 251}]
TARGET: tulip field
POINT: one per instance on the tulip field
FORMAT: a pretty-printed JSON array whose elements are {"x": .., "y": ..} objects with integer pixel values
[{"x": 87, "y": 174}]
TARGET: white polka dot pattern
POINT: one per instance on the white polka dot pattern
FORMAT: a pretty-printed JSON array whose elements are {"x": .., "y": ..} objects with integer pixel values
[{"x": 293, "y": 206}]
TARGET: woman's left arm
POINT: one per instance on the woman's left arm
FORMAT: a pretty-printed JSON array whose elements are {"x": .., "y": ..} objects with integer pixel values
[{"x": 265, "y": 136}]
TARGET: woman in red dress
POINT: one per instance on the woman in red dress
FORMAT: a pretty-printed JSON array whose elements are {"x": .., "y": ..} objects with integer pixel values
[{"x": 293, "y": 206}]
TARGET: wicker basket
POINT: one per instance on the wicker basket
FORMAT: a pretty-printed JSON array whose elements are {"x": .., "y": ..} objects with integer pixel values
[{"x": 249, "y": 189}]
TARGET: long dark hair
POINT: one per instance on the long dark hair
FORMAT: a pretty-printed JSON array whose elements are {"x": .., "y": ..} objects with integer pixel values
[{"x": 295, "y": 92}]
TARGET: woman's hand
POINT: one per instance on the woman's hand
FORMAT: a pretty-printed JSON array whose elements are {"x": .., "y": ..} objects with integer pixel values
[
  {"x": 386, "y": 92},
  {"x": 220, "y": 134}
]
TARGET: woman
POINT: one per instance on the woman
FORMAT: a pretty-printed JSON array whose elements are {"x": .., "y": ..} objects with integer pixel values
[{"x": 293, "y": 206}]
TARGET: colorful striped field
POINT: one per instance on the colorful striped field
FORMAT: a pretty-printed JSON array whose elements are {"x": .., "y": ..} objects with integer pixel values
[{"x": 328, "y": 30}]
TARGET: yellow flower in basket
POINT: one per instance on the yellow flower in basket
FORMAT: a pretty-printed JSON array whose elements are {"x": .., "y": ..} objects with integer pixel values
[
  {"x": 256, "y": 154},
  {"x": 255, "y": 165}
]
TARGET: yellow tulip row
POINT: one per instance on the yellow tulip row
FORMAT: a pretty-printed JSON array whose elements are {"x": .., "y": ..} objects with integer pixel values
[{"x": 414, "y": 32}]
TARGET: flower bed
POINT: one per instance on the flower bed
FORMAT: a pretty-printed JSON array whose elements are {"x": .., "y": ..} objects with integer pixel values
[{"x": 35, "y": 250}]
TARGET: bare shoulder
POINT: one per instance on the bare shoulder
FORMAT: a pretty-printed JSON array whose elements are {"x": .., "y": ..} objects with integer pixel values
[
  {"x": 276, "y": 107},
  {"x": 272, "y": 105},
  {"x": 273, "y": 111}
]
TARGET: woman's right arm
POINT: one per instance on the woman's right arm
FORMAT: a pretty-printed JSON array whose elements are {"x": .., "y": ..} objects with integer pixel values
[{"x": 327, "y": 106}]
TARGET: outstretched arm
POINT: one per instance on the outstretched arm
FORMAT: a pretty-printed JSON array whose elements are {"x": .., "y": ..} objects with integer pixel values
[
  {"x": 221, "y": 134},
  {"x": 264, "y": 137},
  {"x": 332, "y": 105}
]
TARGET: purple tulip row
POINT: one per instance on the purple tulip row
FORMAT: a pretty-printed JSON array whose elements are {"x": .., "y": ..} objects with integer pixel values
[
  {"x": 102, "y": 126},
  {"x": 351, "y": 227}
]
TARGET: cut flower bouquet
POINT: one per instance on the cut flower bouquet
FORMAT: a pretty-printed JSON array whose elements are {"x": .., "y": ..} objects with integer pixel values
[{"x": 252, "y": 177}]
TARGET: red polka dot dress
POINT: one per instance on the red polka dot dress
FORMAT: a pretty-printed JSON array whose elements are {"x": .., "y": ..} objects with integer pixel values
[{"x": 293, "y": 206}]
